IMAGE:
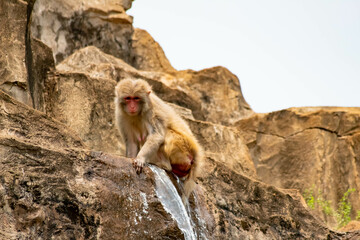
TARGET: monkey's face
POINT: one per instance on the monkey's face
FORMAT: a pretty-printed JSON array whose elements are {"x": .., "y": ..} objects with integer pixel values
[
  {"x": 132, "y": 105},
  {"x": 133, "y": 96}
]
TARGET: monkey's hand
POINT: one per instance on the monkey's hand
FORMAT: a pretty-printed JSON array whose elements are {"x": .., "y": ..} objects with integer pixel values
[{"x": 138, "y": 164}]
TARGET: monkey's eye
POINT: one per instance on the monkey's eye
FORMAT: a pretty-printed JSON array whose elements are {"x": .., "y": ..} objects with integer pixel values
[
  {"x": 137, "y": 99},
  {"x": 127, "y": 98}
]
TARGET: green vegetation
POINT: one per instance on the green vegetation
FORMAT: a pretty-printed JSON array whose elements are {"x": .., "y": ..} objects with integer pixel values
[
  {"x": 315, "y": 200},
  {"x": 344, "y": 209}
]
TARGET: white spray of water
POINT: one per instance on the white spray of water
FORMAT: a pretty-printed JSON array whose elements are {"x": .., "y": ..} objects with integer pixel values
[{"x": 170, "y": 199}]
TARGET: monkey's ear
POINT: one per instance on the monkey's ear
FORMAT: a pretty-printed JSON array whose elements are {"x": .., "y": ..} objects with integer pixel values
[{"x": 148, "y": 92}]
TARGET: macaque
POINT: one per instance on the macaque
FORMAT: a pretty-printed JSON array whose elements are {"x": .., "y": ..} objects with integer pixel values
[
  {"x": 154, "y": 133},
  {"x": 185, "y": 156}
]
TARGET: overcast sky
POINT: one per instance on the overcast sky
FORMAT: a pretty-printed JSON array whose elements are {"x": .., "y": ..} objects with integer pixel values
[{"x": 288, "y": 53}]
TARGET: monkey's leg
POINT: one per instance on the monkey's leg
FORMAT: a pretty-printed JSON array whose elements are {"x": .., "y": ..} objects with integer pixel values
[{"x": 161, "y": 161}]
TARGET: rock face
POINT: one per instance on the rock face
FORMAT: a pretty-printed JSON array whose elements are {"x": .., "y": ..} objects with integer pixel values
[
  {"x": 66, "y": 26},
  {"x": 301, "y": 147},
  {"x": 40, "y": 62},
  {"x": 53, "y": 187},
  {"x": 219, "y": 92},
  {"x": 62, "y": 175},
  {"x": 13, "y": 74},
  {"x": 147, "y": 54}
]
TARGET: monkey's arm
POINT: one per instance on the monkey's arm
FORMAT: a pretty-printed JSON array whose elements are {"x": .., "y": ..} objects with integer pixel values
[
  {"x": 149, "y": 149},
  {"x": 131, "y": 149},
  {"x": 131, "y": 145}
]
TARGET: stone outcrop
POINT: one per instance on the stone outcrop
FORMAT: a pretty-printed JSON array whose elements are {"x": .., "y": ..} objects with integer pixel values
[
  {"x": 147, "y": 55},
  {"x": 219, "y": 92},
  {"x": 40, "y": 62},
  {"x": 66, "y": 26},
  {"x": 13, "y": 73},
  {"x": 301, "y": 147}
]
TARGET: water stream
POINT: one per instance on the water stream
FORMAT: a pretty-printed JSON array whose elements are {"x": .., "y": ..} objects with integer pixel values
[{"x": 171, "y": 200}]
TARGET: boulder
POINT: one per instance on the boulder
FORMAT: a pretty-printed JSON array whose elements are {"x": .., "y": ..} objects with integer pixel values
[
  {"x": 304, "y": 147},
  {"x": 225, "y": 146},
  {"x": 86, "y": 105},
  {"x": 147, "y": 54},
  {"x": 219, "y": 92},
  {"x": 40, "y": 63},
  {"x": 66, "y": 26},
  {"x": 13, "y": 73}
]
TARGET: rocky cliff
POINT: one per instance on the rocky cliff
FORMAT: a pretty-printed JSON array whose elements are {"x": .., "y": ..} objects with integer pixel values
[{"x": 63, "y": 175}]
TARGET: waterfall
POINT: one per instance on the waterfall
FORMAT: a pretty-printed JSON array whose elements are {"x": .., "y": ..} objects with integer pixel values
[{"x": 171, "y": 201}]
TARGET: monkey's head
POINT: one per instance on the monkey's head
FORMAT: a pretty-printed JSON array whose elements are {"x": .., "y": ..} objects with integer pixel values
[
  {"x": 178, "y": 148},
  {"x": 132, "y": 96}
]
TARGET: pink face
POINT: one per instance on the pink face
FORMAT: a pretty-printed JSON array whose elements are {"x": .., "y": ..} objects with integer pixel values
[{"x": 132, "y": 105}]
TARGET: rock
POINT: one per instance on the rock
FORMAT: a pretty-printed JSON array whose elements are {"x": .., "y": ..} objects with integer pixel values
[
  {"x": 224, "y": 145},
  {"x": 86, "y": 105},
  {"x": 301, "y": 147},
  {"x": 219, "y": 92},
  {"x": 66, "y": 26},
  {"x": 61, "y": 175},
  {"x": 95, "y": 63},
  {"x": 126, "y": 4},
  {"x": 247, "y": 209},
  {"x": 147, "y": 54},
  {"x": 23, "y": 124},
  {"x": 13, "y": 73},
  {"x": 53, "y": 187},
  {"x": 40, "y": 62},
  {"x": 351, "y": 227}
]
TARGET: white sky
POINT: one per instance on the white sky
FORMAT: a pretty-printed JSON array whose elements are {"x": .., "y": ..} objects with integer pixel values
[{"x": 286, "y": 53}]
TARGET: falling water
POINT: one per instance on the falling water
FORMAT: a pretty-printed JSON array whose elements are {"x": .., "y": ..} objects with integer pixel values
[{"x": 170, "y": 199}]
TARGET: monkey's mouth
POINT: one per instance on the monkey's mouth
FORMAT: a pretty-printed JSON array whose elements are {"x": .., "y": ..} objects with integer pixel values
[{"x": 132, "y": 113}]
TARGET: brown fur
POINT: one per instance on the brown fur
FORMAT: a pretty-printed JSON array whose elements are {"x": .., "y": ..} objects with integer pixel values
[{"x": 156, "y": 134}]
